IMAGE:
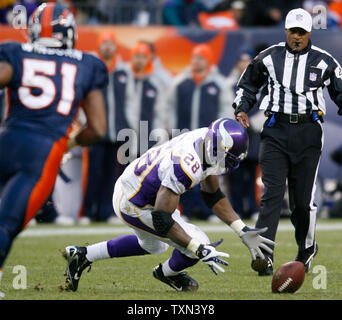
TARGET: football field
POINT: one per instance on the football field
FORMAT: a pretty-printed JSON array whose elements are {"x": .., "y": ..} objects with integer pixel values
[{"x": 34, "y": 269}]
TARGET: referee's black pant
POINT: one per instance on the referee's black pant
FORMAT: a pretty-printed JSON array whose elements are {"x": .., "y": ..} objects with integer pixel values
[{"x": 290, "y": 151}]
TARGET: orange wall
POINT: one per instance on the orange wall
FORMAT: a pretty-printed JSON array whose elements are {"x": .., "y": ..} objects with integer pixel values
[{"x": 174, "y": 50}]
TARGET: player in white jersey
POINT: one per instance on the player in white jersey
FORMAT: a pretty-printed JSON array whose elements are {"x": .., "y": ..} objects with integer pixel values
[{"x": 146, "y": 197}]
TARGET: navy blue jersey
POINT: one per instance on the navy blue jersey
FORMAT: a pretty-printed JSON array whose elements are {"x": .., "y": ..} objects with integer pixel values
[{"x": 48, "y": 85}]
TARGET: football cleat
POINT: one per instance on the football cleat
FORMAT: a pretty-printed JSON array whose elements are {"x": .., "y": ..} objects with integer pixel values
[
  {"x": 306, "y": 256},
  {"x": 180, "y": 282},
  {"x": 264, "y": 267},
  {"x": 76, "y": 262}
]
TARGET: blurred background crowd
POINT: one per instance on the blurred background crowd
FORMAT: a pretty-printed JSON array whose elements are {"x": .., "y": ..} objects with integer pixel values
[
  {"x": 228, "y": 14},
  {"x": 142, "y": 90}
]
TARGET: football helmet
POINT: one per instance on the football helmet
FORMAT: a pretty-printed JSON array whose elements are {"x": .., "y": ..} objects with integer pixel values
[
  {"x": 53, "y": 25},
  {"x": 226, "y": 143}
]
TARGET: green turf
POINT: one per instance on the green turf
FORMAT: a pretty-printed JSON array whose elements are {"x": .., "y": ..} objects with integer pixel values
[{"x": 131, "y": 278}]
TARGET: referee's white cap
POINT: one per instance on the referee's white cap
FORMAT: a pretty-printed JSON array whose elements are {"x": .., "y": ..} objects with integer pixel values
[{"x": 298, "y": 18}]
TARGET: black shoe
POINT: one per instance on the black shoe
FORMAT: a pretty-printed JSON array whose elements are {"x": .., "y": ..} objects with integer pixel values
[
  {"x": 76, "y": 263},
  {"x": 264, "y": 267},
  {"x": 306, "y": 256},
  {"x": 179, "y": 282}
]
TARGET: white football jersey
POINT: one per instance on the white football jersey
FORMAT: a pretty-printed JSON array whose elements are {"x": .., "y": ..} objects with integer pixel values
[{"x": 176, "y": 164}]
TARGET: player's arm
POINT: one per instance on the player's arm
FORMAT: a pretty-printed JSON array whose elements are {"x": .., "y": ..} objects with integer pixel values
[
  {"x": 252, "y": 79},
  {"x": 166, "y": 203},
  {"x": 216, "y": 200},
  {"x": 6, "y": 74},
  {"x": 335, "y": 86},
  {"x": 95, "y": 128}
]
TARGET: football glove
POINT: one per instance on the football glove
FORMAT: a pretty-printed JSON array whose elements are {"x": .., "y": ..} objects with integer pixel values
[
  {"x": 208, "y": 254},
  {"x": 252, "y": 239}
]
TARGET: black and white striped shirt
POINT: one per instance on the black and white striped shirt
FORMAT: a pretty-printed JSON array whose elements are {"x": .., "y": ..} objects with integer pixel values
[{"x": 292, "y": 82}]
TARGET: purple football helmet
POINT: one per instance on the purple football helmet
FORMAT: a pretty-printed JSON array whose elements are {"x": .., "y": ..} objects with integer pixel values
[{"x": 226, "y": 143}]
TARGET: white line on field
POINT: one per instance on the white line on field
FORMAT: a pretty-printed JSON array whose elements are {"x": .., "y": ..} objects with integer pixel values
[{"x": 72, "y": 231}]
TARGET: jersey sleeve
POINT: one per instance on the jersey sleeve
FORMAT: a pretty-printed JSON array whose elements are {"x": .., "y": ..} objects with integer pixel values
[
  {"x": 6, "y": 52},
  {"x": 183, "y": 173},
  {"x": 99, "y": 76},
  {"x": 252, "y": 79},
  {"x": 335, "y": 86},
  {"x": 9, "y": 52}
]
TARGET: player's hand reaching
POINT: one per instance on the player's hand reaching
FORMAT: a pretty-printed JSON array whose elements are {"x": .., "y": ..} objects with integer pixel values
[
  {"x": 255, "y": 242},
  {"x": 208, "y": 254}
]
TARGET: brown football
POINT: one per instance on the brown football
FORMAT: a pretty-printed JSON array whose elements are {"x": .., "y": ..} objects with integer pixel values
[{"x": 288, "y": 278}]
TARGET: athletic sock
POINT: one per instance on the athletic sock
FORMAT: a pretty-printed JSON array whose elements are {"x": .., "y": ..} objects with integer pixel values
[
  {"x": 97, "y": 251},
  {"x": 177, "y": 263},
  {"x": 123, "y": 246},
  {"x": 167, "y": 271}
]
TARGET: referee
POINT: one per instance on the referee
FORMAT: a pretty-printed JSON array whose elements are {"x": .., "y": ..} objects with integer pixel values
[{"x": 292, "y": 76}]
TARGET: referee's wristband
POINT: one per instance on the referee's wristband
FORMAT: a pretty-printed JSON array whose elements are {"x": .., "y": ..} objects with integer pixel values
[{"x": 237, "y": 225}]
